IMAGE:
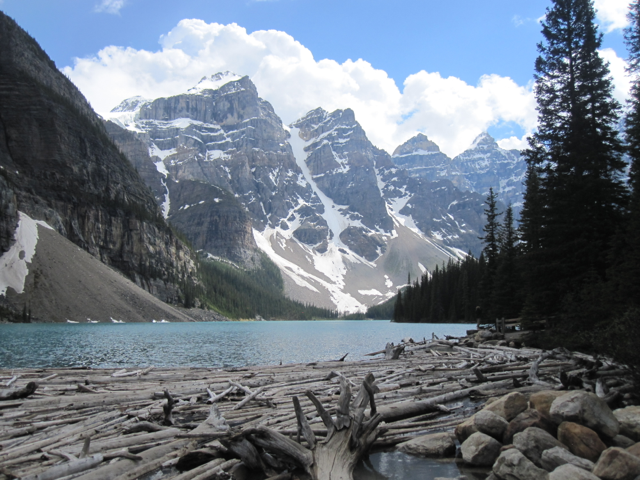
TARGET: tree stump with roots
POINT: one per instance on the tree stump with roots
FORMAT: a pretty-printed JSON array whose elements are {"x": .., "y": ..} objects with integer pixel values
[{"x": 349, "y": 436}]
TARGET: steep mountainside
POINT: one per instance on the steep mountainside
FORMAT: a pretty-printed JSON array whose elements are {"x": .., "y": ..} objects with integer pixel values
[
  {"x": 57, "y": 164},
  {"x": 482, "y": 166},
  {"x": 342, "y": 222}
]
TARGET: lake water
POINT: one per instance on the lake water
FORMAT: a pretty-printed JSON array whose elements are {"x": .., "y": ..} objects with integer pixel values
[{"x": 207, "y": 344}]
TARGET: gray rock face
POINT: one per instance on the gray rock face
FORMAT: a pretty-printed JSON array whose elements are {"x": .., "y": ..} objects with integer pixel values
[
  {"x": 8, "y": 211},
  {"x": 62, "y": 168},
  {"x": 533, "y": 441},
  {"x": 512, "y": 464},
  {"x": 217, "y": 222},
  {"x": 480, "y": 167},
  {"x": 586, "y": 409},
  {"x": 556, "y": 456},
  {"x": 422, "y": 158},
  {"x": 343, "y": 162},
  {"x": 437, "y": 445},
  {"x": 480, "y": 449}
]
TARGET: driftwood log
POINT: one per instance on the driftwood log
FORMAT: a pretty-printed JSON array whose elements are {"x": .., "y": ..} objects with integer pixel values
[{"x": 349, "y": 437}]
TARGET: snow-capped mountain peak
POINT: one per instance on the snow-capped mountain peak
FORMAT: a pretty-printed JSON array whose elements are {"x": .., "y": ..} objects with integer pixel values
[
  {"x": 214, "y": 82},
  {"x": 484, "y": 141},
  {"x": 342, "y": 222}
]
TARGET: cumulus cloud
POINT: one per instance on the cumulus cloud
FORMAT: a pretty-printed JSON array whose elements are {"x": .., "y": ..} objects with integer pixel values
[
  {"x": 451, "y": 112},
  {"x": 110, "y": 6},
  {"x": 612, "y": 13},
  {"x": 617, "y": 67}
]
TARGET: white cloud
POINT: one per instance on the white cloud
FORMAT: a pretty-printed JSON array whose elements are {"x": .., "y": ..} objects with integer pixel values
[
  {"x": 617, "y": 67},
  {"x": 448, "y": 110},
  {"x": 612, "y": 13},
  {"x": 110, "y": 6}
]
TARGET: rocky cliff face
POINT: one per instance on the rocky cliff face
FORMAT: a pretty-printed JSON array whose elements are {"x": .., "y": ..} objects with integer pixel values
[
  {"x": 57, "y": 159},
  {"x": 480, "y": 167},
  {"x": 486, "y": 165}
]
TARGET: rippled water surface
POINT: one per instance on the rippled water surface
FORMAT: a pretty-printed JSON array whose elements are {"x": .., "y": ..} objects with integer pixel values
[{"x": 214, "y": 344}]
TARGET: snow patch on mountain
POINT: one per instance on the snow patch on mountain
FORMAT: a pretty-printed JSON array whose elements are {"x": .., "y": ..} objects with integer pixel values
[
  {"x": 214, "y": 82},
  {"x": 13, "y": 263}
]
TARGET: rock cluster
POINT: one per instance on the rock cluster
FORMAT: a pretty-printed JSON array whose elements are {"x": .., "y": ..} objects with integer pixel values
[{"x": 550, "y": 435}]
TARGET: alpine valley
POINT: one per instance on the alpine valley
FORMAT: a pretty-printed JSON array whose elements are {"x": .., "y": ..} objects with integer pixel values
[
  {"x": 158, "y": 184},
  {"x": 346, "y": 222}
]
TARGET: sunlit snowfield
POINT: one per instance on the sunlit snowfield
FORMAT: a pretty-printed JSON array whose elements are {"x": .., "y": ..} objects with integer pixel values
[{"x": 215, "y": 344}]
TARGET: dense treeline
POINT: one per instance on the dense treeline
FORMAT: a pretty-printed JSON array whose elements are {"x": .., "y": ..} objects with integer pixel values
[
  {"x": 574, "y": 262},
  {"x": 447, "y": 295},
  {"x": 470, "y": 290},
  {"x": 238, "y": 293}
]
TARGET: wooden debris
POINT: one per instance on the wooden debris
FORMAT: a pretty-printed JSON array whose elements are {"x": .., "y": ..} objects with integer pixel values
[{"x": 114, "y": 423}]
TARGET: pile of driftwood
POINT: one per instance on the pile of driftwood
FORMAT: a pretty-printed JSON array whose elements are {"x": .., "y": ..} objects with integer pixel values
[{"x": 313, "y": 420}]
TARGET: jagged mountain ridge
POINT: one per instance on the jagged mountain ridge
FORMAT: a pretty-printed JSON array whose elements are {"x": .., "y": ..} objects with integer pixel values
[
  {"x": 344, "y": 224},
  {"x": 483, "y": 165}
]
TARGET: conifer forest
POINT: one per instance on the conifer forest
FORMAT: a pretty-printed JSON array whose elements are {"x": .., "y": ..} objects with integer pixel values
[{"x": 572, "y": 259}]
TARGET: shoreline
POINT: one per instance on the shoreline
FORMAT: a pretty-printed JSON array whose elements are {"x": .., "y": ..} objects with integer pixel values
[
  {"x": 432, "y": 387},
  {"x": 435, "y": 379}
]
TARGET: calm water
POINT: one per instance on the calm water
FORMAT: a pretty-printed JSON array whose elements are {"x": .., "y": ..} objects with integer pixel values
[{"x": 210, "y": 344}]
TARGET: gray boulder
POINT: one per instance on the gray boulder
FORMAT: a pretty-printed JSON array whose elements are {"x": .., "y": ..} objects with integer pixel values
[
  {"x": 533, "y": 441},
  {"x": 571, "y": 472},
  {"x": 512, "y": 464},
  {"x": 617, "y": 464},
  {"x": 509, "y": 406},
  {"x": 480, "y": 450},
  {"x": 490, "y": 423},
  {"x": 554, "y": 457},
  {"x": 629, "y": 419},
  {"x": 586, "y": 409},
  {"x": 437, "y": 445},
  {"x": 621, "y": 441}
]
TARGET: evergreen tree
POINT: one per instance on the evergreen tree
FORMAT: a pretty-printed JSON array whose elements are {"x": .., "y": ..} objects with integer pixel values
[
  {"x": 574, "y": 161},
  {"x": 490, "y": 252},
  {"x": 627, "y": 269},
  {"x": 507, "y": 301},
  {"x": 398, "y": 310}
]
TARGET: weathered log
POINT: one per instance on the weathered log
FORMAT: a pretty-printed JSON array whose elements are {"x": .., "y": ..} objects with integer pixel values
[
  {"x": 75, "y": 466},
  {"x": 168, "y": 409},
  {"x": 348, "y": 438},
  {"x": 18, "y": 393},
  {"x": 391, "y": 352}
]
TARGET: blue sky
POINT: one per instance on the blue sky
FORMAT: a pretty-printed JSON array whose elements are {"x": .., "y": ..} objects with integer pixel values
[{"x": 448, "y": 69}]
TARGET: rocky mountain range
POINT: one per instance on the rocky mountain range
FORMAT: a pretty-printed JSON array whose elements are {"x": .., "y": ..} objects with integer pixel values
[
  {"x": 345, "y": 221},
  {"x": 482, "y": 166}
]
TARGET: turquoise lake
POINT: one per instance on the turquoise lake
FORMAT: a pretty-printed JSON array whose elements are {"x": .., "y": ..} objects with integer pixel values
[{"x": 207, "y": 344}]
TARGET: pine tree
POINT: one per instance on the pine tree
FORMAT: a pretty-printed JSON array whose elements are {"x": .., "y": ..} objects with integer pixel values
[
  {"x": 627, "y": 270},
  {"x": 574, "y": 162},
  {"x": 398, "y": 310},
  {"x": 506, "y": 293},
  {"x": 490, "y": 252}
]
